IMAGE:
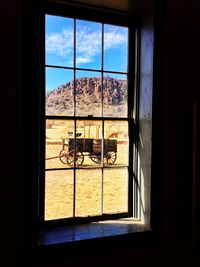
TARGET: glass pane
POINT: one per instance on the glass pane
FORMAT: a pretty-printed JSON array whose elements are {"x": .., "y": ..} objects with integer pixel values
[
  {"x": 58, "y": 135},
  {"x": 88, "y": 44},
  {"x": 88, "y": 192},
  {"x": 116, "y": 143},
  {"x": 88, "y": 143},
  {"x": 59, "y": 41},
  {"x": 115, "y": 48},
  {"x": 115, "y": 95},
  {"x": 115, "y": 190},
  {"x": 59, "y": 92},
  {"x": 88, "y": 93},
  {"x": 59, "y": 194}
]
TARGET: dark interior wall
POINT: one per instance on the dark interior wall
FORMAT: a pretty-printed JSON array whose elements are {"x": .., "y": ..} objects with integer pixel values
[
  {"x": 180, "y": 88},
  {"x": 11, "y": 130}
]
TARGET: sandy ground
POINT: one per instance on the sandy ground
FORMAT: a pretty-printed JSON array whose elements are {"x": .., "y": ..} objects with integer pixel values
[
  {"x": 93, "y": 192},
  {"x": 90, "y": 191}
]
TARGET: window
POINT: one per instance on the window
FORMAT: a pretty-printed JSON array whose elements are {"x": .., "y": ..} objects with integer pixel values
[
  {"x": 86, "y": 120},
  {"x": 90, "y": 169}
]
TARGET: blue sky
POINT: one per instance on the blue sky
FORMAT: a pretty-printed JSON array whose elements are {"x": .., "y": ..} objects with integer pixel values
[{"x": 59, "y": 49}]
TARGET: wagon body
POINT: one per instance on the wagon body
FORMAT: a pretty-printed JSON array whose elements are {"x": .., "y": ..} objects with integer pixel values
[
  {"x": 82, "y": 144},
  {"x": 92, "y": 145},
  {"x": 109, "y": 145}
]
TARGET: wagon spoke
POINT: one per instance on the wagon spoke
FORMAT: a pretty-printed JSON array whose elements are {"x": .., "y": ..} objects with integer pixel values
[
  {"x": 63, "y": 156},
  {"x": 77, "y": 157},
  {"x": 110, "y": 158},
  {"x": 70, "y": 158},
  {"x": 96, "y": 157}
]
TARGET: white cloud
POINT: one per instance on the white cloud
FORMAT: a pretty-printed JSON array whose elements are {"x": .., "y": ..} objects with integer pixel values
[
  {"x": 60, "y": 43},
  {"x": 83, "y": 60},
  {"x": 88, "y": 42},
  {"x": 88, "y": 45},
  {"x": 114, "y": 36}
]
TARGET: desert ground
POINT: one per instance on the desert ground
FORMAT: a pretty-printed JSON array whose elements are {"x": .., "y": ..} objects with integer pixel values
[{"x": 92, "y": 190}]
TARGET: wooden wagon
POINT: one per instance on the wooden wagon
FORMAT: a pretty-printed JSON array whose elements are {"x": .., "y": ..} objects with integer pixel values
[{"x": 79, "y": 148}]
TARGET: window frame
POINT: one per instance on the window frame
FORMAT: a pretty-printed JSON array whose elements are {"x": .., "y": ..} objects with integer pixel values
[{"x": 119, "y": 20}]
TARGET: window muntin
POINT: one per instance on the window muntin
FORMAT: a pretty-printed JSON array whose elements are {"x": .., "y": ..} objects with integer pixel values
[{"x": 98, "y": 157}]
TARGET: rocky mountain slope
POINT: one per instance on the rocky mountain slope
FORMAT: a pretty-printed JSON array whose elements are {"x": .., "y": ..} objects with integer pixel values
[{"x": 88, "y": 97}]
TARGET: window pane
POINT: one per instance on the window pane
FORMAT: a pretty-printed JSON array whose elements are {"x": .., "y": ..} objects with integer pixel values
[
  {"x": 59, "y": 41},
  {"x": 115, "y": 190},
  {"x": 88, "y": 93},
  {"x": 115, "y": 48},
  {"x": 59, "y": 92},
  {"x": 116, "y": 143},
  {"x": 115, "y": 95},
  {"x": 88, "y": 192},
  {"x": 88, "y": 143},
  {"x": 58, "y": 194},
  {"x": 88, "y": 44},
  {"x": 58, "y": 134}
]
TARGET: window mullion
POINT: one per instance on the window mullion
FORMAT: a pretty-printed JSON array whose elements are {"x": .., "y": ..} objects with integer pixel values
[
  {"x": 74, "y": 86},
  {"x": 102, "y": 139},
  {"x": 74, "y": 202},
  {"x": 102, "y": 165},
  {"x": 102, "y": 63},
  {"x": 74, "y": 104}
]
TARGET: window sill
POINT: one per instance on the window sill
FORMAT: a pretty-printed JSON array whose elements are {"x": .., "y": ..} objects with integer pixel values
[
  {"x": 95, "y": 230},
  {"x": 92, "y": 238}
]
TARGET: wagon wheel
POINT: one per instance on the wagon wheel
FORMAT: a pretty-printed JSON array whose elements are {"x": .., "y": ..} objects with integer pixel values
[
  {"x": 110, "y": 157},
  {"x": 63, "y": 156},
  {"x": 96, "y": 158},
  {"x": 78, "y": 157}
]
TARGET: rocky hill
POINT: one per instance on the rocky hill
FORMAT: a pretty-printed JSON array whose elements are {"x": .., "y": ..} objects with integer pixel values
[{"x": 88, "y": 97}]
